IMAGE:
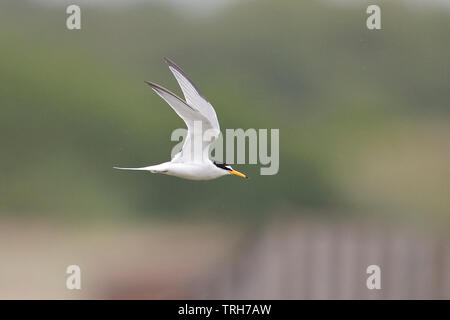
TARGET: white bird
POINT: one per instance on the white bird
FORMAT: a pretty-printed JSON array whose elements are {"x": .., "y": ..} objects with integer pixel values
[{"x": 192, "y": 162}]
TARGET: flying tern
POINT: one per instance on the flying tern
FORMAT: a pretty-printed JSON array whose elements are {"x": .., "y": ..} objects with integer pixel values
[{"x": 192, "y": 162}]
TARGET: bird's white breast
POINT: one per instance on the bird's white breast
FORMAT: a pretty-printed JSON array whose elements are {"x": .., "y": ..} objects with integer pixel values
[{"x": 195, "y": 171}]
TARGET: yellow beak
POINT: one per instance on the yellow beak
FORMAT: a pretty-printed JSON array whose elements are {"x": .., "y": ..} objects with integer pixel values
[{"x": 237, "y": 173}]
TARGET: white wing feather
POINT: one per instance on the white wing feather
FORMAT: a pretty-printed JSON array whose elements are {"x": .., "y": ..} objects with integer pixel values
[
  {"x": 193, "y": 96},
  {"x": 189, "y": 152}
]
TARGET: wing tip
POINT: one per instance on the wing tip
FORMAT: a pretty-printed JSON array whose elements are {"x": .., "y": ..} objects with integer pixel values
[
  {"x": 151, "y": 84},
  {"x": 156, "y": 87},
  {"x": 171, "y": 63}
]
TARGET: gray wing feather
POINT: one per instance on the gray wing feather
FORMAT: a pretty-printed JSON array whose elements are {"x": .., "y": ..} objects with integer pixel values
[{"x": 193, "y": 96}]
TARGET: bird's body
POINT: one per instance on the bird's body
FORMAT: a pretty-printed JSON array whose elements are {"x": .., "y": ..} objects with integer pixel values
[
  {"x": 206, "y": 170},
  {"x": 192, "y": 162}
]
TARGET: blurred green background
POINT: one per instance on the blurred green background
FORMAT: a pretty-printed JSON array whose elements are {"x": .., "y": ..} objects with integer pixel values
[{"x": 363, "y": 115}]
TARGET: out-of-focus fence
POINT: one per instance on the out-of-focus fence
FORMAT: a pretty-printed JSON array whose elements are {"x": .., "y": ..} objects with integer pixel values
[
  {"x": 296, "y": 259},
  {"x": 300, "y": 260}
]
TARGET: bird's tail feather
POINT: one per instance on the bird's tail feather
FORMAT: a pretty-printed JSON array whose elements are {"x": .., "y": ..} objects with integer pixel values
[
  {"x": 143, "y": 168},
  {"x": 154, "y": 169}
]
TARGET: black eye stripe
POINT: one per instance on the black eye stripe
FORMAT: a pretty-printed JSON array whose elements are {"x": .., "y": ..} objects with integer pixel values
[{"x": 222, "y": 166}]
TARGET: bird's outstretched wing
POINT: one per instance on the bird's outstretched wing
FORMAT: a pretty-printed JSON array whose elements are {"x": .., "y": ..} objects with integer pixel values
[
  {"x": 185, "y": 111},
  {"x": 193, "y": 96},
  {"x": 195, "y": 148}
]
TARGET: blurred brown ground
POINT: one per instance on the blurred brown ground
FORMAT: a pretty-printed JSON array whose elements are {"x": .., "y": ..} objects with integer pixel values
[
  {"x": 293, "y": 259},
  {"x": 130, "y": 261}
]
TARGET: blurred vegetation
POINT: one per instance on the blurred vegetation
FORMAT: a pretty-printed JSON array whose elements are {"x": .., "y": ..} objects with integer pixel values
[{"x": 363, "y": 115}]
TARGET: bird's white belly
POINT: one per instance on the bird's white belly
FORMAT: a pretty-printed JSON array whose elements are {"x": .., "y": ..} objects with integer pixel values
[{"x": 193, "y": 171}]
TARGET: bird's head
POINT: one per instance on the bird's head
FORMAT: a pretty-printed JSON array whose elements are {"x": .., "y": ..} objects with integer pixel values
[{"x": 229, "y": 169}]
